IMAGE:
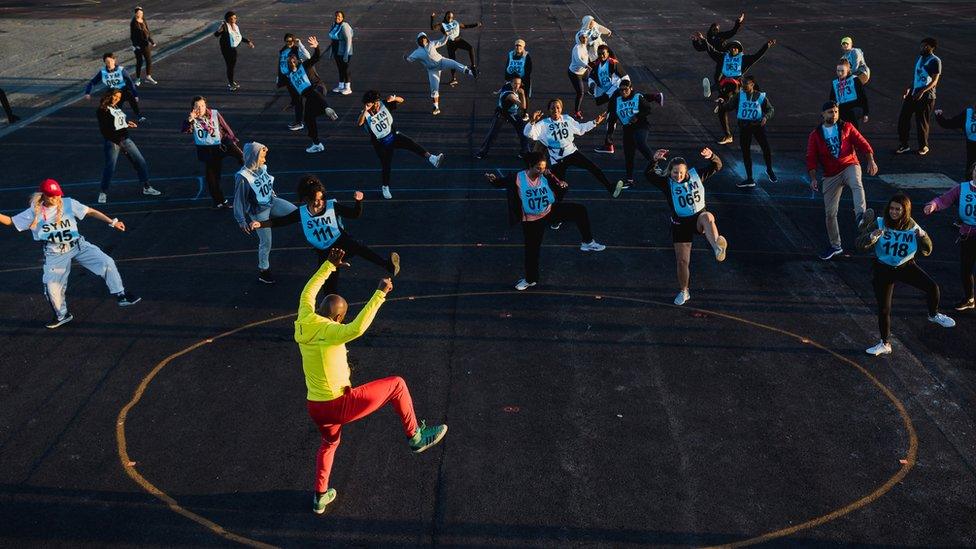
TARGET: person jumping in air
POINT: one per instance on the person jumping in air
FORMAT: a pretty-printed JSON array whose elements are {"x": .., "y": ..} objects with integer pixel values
[
  {"x": 321, "y": 222},
  {"x": 452, "y": 31},
  {"x": 557, "y": 132},
  {"x": 433, "y": 62},
  {"x": 753, "y": 110},
  {"x": 965, "y": 121},
  {"x": 849, "y": 94},
  {"x": 963, "y": 194},
  {"x": 919, "y": 100},
  {"x": 229, "y": 36},
  {"x": 716, "y": 38},
  {"x": 895, "y": 238},
  {"x": 114, "y": 77},
  {"x": 732, "y": 64},
  {"x": 532, "y": 199},
  {"x": 632, "y": 108},
  {"x": 256, "y": 200},
  {"x": 292, "y": 46},
  {"x": 579, "y": 67},
  {"x": 305, "y": 81},
  {"x": 592, "y": 34},
  {"x": 331, "y": 400},
  {"x": 854, "y": 56},
  {"x": 685, "y": 190},
  {"x": 53, "y": 219},
  {"x": 510, "y": 108},
  {"x": 606, "y": 75},
  {"x": 378, "y": 119}
]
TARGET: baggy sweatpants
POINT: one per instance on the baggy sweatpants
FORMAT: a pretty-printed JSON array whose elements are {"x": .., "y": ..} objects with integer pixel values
[{"x": 57, "y": 267}]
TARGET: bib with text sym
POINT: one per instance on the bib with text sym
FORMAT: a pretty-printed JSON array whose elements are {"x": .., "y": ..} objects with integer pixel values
[
  {"x": 60, "y": 236},
  {"x": 922, "y": 77},
  {"x": 516, "y": 66},
  {"x": 299, "y": 79},
  {"x": 114, "y": 79},
  {"x": 559, "y": 138},
  {"x": 896, "y": 247},
  {"x": 967, "y": 203},
  {"x": 536, "y": 199},
  {"x": 688, "y": 197},
  {"x": 844, "y": 90},
  {"x": 627, "y": 108},
  {"x": 732, "y": 65},
  {"x": 262, "y": 183},
  {"x": 206, "y": 130},
  {"x": 452, "y": 29},
  {"x": 118, "y": 118},
  {"x": 234, "y": 33},
  {"x": 748, "y": 109},
  {"x": 381, "y": 123},
  {"x": 321, "y": 230},
  {"x": 970, "y": 124}
]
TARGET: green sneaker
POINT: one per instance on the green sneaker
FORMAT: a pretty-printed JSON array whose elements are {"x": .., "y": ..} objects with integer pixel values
[
  {"x": 319, "y": 503},
  {"x": 425, "y": 437}
]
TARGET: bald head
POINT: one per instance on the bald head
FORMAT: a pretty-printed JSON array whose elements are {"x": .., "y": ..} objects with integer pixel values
[{"x": 334, "y": 307}]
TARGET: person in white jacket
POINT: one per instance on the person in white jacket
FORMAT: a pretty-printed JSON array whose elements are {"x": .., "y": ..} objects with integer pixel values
[
  {"x": 428, "y": 56},
  {"x": 578, "y": 69},
  {"x": 594, "y": 33}
]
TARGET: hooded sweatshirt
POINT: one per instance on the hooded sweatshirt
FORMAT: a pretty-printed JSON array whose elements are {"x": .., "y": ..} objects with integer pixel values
[
  {"x": 322, "y": 341},
  {"x": 594, "y": 36},
  {"x": 428, "y": 56},
  {"x": 244, "y": 200}
]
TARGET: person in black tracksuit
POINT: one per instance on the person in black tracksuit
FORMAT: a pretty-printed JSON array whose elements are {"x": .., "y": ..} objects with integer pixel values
[
  {"x": 311, "y": 191},
  {"x": 511, "y": 109},
  {"x": 716, "y": 38},
  {"x": 452, "y": 29},
  {"x": 293, "y": 46},
  {"x": 752, "y": 123},
  {"x": 535, "y": 199},
  {"x": 606, "y": 75},
  {"x": 731, "y": 64},
  {"x": 632, "y": 108},
  {"x": 230, "y": 36},
  {"x": 965, "y": 121},
  {"x": 306, "y": 82},
  {"x": 11, "y": 117},
  {"x": 849, "y": 94}
]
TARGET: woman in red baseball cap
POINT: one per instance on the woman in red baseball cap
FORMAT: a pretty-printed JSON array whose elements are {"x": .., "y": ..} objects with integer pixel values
[{"x": 53, "y": 219}]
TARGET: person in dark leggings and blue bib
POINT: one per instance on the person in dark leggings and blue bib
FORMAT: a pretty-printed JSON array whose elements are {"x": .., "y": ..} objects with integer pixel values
[
  {"x": 510, "y": 109},
  {"x": 753, "y": 110},
  {"x": 321, "y": 222},
  {"x": 452, "y": 30},
  {"x": 631, "y": 108},
  {"x": 919, "y": 100},
  {"x": 340, "y": 36},
  {"x": 685, "y": 191},
  {"x": 533, "y": 199},
  {"x": 895, "y": 239},
  {"x": 293, "y": 47},
  {"x": 848, "y": 92},
  {"x": 965, "y": 121},
  {"x": 377, "y": 118},
  {"x": 214, "y": 140},
  {"x": 964, "y": 195},
  {"x": 305, "y": 81},
  {"x": 606, "y": 75}
]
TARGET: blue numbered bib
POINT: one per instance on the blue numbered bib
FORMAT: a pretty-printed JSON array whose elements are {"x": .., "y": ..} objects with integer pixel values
[
  {"x": 688, "y": 197},
  {"x": 732, "y": 65},
  {"x": 59, "y": 236},
  {"x": 299, "y": 79},
  {"x": 535, "y": 200},
  {"x": 114, "y": 79},
  {"x": 321, "y": 230},
  {"x": 516, "y": 66},
  {"x": 967, "y": 203},
  {"x": 381, "y": 123},
  {"x": 922, "y": 77},
  {"x": 895, "y": 247},
  {"x": 844, "y": 90},
  {"x": 627, "y": 108},
  {"x": 970, "y": 124},
  {"x": 748, "y": 109},
  {"x": 452, "y": 29}
]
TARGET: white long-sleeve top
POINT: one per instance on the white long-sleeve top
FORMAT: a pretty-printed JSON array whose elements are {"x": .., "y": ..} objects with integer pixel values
[
  {"x": 579, "y": 60},
  {"x": 594, "y": 39},
  {"x": 558, "y": 135},
  {"x": 429, "y": 57}
]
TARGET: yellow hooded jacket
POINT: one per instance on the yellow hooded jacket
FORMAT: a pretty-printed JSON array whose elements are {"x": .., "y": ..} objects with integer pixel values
[{"x": 322, "y": 341}]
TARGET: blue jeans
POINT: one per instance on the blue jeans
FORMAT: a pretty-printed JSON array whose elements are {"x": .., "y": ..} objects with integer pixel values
[
  {"x": 277, "y": 208},
  {"x": 127, "y": 147}
]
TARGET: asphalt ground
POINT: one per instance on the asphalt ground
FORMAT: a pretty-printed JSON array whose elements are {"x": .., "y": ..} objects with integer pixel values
[{"x": 588, "y": 411}]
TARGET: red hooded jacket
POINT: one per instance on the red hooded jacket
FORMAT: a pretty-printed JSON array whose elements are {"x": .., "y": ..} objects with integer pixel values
[{"x": 851, "y": 143}]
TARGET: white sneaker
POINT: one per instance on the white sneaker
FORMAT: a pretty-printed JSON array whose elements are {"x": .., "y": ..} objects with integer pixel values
[
  {"x": 386, "y": 192},
  {"x": 682, "y": 297},
  {"x": 523, "y": 284},
  {"x": 338, "y": 89},
  {"x": 330, "y": 112},
  {"x": 138, "y": 81},
  {"x": 721, "y": 245},
  {"x": 881, "y": 348},
  {"x": 315, "y": 148},
  {"x": 346, "y": 89},
  {"x": 296, "y": 126},
  {"x": 592, "y": 246},
  {"x": 618, "y": 188},
  {"x": 706, "y": 88},
  {"x": 151, "y": 80},
  {"x": 436, "y": 159},
  {"x": 942, "y": 320},
  {"x": 150, "y": 191},
  {"x": 436, "y": 111},
  {"x": 102, "y": 198}
]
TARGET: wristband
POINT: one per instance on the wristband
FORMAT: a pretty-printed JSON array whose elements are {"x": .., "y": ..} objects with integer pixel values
[{"x": 115, "y": 220}]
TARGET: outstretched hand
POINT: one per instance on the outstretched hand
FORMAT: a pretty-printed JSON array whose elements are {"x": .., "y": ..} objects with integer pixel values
[
  {"x": 929, "y": 208},
  {"x": 385, "y": 285},
  {"x": 536, "y": 116},
  {"x": 358, "y": 195},
  {"x": 707, "y": 153},
  {"x": 336, "y": 256},
  {"x": 742, "y": 17},
  {"x": 600, "y": 119},
  {"x": 771, "y": 42},
  {"x": 491, "y": 177},
  {"x": 660, "y": 154},
  {"x": 313, "y": 42}
]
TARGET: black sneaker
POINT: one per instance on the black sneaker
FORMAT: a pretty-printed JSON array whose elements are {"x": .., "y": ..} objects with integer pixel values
[
  {"x": 555, "y": 226},
  {"x": 830, "y": 252},
  {"x": 225, "y": 205},
  {"x": 480, "y": 155},
  {"x": 903, "y": 149},
  {"x": 771, "y": 176},
  {"x": 126, "y": 299},
  {"x": 56, "y": 322},
  {"x": 961, "y": 306},
  {"x": 265, "y": 276},
  {"x": 746, "y": 184}
]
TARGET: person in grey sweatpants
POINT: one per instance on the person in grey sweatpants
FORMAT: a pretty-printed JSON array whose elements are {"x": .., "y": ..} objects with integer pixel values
[{"x": 255, "y": 200}]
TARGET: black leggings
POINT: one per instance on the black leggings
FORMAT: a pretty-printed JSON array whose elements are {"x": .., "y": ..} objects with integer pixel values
[
  {"x": 459, "y": 44},
  {"x": 635, "y": 138},
  {"x": 385, "y": 152},
  {"x": 967, "y": 260},
  {"x": 343, "y": 67},
  {"x": 127, "y": 97},
  {"x": 970, "y": 160},
  {"x": 579, "y": 84},
  {"x": 611, "y": 119},
  {"x": 577, "y": 159},
  {"x": 533, "y": 231},
  {"x": 144, "y": 55},
  {"x": 352, "y": 248},
  {"x": 496, "y": 124},
  {"x": 6, "y": 107},
  {"x": 315, "y": 105},
  {"x": 726, "y": 92},
  {"x": 230, "y": 60},
  {"x": 214, "y": 165},
  {"x": 746, "y": 133},
  {"x": 884, "y": 283}
]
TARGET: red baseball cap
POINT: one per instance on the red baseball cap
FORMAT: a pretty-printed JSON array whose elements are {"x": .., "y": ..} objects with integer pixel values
[{"x": 50, "y": 187}]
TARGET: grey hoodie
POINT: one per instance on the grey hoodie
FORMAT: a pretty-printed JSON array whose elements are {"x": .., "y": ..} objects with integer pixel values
[
  {"x": 244, "y": 199},
  {"x": 429, "y": 57}
]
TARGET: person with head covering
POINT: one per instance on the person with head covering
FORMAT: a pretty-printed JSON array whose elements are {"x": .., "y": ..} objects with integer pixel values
[
  {"x": 594, "y": 33},
  {"x": 855, "y": 57},
  {"x": 716, "y": 38},
  {"x": 433, "y": 62}
]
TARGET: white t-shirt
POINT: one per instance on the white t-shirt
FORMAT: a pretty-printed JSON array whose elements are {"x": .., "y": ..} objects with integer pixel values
[
  {"x": 59, "y": 237},
  {"x": 832, "y": 137}
]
